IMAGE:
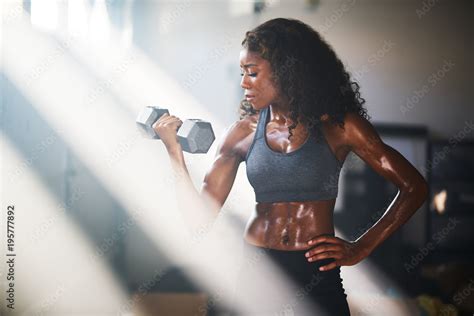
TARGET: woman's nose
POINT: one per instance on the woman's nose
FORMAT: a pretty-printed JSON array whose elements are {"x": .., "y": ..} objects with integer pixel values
[{"x": 244, "y": 82}]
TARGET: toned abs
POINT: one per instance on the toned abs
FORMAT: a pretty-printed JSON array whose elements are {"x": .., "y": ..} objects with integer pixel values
[{"x": 286, "y": 225}]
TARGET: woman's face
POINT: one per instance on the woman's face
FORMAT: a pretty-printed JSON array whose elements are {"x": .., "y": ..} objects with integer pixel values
[{"x": 256, "y": 81}]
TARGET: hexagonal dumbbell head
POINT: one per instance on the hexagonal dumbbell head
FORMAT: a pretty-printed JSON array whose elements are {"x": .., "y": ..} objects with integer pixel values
[
  {"x": 147, "y": 117},
  {"x": 196, "y": 136}
]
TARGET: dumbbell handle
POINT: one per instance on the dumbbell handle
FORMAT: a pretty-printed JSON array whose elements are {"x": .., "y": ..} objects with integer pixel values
[
  {"x": 147, "y": 117},
  {"x": 151, "y": 114}
]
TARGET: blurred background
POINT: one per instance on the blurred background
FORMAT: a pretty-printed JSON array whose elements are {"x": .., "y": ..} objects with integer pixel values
[{"x": 88, "y": 205}]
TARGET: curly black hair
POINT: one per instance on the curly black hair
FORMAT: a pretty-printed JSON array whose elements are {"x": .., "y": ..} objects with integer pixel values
[{"x": 306, "y": 71}]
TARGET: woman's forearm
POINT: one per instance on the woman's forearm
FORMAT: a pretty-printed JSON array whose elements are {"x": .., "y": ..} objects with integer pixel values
[
  {"x": 190, "y": 202},
  {"x": 400, "y": 210},
  {"x": 177, "y": 161}
]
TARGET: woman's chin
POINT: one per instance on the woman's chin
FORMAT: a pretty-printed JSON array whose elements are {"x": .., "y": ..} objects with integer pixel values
[{"x": 257, "y": 105}]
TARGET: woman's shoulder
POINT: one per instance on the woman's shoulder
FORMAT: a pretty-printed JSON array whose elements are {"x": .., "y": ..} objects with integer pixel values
[
  {"x": 248, "y": 125},
  {"x": 238, "y": 133}
]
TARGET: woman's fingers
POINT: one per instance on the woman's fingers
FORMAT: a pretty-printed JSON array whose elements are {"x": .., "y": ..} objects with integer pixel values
[
  {"x": 167, "y": 120},
  {"x": 330, "y": 266},
  {"x": 344, "y": 252},
  {"x": 166, "y": 128},
  {"x": 326, "y": 247},
  {"x": 325, "y": 255},
  {"x": 322, "y": 248},
  {"x": 325, "y": 239},
  {"x": 162, "y": 118},
  {"x": 332, "y": 252}
]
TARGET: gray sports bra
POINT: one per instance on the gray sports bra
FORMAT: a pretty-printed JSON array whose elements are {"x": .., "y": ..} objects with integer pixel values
[{"x": 310, "y": 172}]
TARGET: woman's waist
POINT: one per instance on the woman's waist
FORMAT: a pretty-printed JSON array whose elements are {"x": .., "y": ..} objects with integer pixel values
[
  {"x": 289, "y": 225},
  {"x": 306, "y": 216},
  {"x": 297, "y": 208},
  {"x": 287, "y": 238}
]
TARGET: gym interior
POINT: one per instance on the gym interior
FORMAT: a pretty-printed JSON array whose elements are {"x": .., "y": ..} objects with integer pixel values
[{"x": 91, "y": 220}]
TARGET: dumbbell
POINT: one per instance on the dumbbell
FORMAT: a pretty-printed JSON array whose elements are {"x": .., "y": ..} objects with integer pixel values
[{"x": 194, "y": 135}]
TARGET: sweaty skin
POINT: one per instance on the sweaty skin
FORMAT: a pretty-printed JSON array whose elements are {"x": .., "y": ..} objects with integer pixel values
[
  {"x": 292, "y": 225},
  {"x": 282, "y": 225},
  {"x": 285, "y": 225}
]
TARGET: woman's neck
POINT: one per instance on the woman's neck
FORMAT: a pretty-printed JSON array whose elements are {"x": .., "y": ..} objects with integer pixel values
[{"x": 280, "y": 114}]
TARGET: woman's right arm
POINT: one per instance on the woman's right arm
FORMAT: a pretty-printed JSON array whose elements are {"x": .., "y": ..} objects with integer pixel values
[
  {"x": 218, "y": 181},
  {"x": 220, "y": 177}
]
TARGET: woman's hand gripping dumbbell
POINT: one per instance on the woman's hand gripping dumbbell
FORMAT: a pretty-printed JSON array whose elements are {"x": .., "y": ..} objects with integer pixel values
[{"x": 194, "y": 135}]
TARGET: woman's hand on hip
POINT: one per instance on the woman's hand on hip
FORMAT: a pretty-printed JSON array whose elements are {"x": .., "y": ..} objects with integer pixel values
[{"x": 344, "y": 252}]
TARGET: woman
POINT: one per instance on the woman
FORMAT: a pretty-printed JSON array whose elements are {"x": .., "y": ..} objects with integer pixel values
[{"x": 301, "y": 117}]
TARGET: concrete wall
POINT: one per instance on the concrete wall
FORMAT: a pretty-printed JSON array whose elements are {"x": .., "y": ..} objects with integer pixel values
[{"x": 412, "y": 60}]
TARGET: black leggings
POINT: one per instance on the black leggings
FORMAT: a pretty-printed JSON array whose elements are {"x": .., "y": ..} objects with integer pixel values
[{"x": 312, "y": 292}]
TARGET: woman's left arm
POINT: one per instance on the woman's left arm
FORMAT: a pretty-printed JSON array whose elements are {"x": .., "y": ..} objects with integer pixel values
[{"x": 365, "y": 142}]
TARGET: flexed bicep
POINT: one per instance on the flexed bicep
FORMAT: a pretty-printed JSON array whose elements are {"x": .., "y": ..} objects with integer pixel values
[
  {"x": 382, "y": 158},
  {"x": 220, "y": 178}
]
